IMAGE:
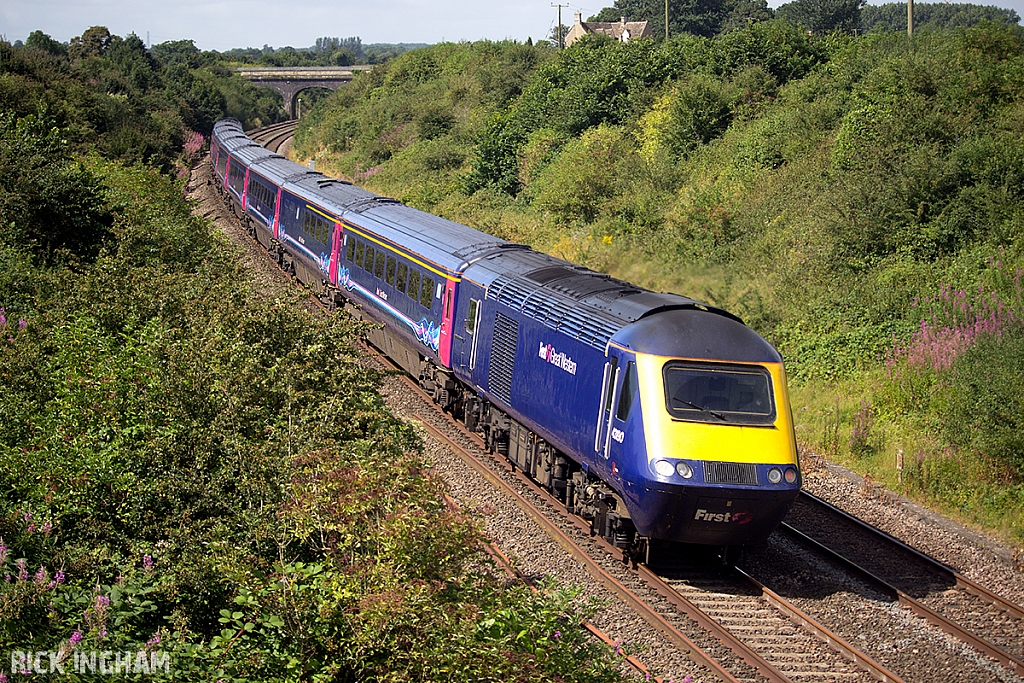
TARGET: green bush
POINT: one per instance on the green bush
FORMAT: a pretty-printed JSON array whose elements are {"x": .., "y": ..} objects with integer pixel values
[{"x": 981, "y": 403}]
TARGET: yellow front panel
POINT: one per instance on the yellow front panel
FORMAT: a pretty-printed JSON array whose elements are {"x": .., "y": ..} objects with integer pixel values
[{"x": 667, "y": 437}]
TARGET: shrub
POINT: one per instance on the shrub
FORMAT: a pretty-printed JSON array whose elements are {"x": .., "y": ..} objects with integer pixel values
[{"x": 582, "y": 178}]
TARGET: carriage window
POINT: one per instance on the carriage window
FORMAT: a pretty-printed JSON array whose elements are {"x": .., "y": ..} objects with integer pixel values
[
  {"x": 403, "y": 271},
  {"x": 368, "y": 263},
  {"x": 378, "y": 265},
  {"x": 414, "y": 283},
  {"x": 391, "y": 270},
  {"x": 350, "y": 248},
  {"x": 706, "y": 392},
  {"x": 427, "y": 292},
  {"x": 359, "y": 254}
]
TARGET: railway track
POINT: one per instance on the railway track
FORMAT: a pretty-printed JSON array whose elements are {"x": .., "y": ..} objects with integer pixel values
[
  {"x": 933, "y": 591},
  {"x": 274, "y": 136},
  {"x": 759, "y": 636},
  {"x": 722, "y": 619}
]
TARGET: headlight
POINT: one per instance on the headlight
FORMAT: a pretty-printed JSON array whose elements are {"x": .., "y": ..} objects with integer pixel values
[
  {"x": 774, "y": 475},
  {"x": 684, "y": 470},
  {"x": 664, "y": 468},
  {"x": 790, "y": 475}
]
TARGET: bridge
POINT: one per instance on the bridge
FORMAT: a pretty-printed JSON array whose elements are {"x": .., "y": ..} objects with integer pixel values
[{"x": 291, "y": 80}]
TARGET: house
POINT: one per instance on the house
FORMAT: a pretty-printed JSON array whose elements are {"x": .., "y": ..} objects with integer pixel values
[{"x": 622, "y": 30}]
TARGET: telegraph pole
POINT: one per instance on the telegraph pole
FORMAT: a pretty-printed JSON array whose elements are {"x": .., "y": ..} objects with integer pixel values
[
  {"x": 666, "y": 19},
  {"x": 561, "y": 38},
  {"x": 910, "y": 19}
]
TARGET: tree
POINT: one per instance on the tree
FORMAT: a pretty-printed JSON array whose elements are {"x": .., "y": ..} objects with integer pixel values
[
  {"x": 175, "y": 52},
  {"x": 93, "y": 43},
  {"x": 48, "y": 202},
  {"x": 37, "y": 40},
  {"x": 893, "y": 16},
  {"x": 822, "y": 16},
  {"x": 746, "y": 12}
]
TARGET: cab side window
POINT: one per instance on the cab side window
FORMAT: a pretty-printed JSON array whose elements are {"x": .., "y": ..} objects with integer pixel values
[{"x": 628, "y": 392}]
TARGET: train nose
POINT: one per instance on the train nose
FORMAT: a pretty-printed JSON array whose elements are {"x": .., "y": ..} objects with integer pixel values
[{"x": 712, "y": 516}]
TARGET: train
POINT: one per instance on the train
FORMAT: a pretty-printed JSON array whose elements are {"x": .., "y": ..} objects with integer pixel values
[{"x": 658, "y": 418}]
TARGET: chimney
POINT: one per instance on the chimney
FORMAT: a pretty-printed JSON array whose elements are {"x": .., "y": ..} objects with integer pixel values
[
  {"x": 622, "y": 20},
  {"x": 579, "y": 19}
]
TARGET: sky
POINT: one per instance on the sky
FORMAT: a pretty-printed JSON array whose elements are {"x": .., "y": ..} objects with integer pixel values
[{"x": 225, "y": 24}]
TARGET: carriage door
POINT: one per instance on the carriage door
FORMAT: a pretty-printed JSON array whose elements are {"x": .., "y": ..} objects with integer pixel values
[
  {"x": 465, "y": 349},
  {"x": 619, "y": 389}
]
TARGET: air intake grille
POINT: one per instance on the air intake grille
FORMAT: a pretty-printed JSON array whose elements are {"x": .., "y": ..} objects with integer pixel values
[
  {"x": 503, "y": 358},
  {"x": 730, "y": 473}
]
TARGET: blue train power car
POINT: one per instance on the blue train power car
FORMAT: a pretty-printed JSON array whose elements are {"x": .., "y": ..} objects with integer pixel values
[{"x": 652, "y": 415}]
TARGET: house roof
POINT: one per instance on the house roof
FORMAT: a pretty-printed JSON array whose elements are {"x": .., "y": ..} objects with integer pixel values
[{"x": 622, "y": 30}]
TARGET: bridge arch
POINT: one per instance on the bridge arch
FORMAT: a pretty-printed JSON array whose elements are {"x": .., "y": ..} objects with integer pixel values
[{"x": 290, "y": 81}]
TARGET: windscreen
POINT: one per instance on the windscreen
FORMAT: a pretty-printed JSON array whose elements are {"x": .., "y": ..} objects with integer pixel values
[{"x": 705, "y": 392}]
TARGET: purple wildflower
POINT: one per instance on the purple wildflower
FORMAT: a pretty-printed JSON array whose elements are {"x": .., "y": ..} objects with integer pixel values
[
  {"x": 147, "y": 561},
  {"x": 22, "y": 323},
  {"x": 75, "y": 638},
  {"x": 3, "y": 551},
  {"x": 41, "y": 575},
  {"x": 22, "y": 569}
]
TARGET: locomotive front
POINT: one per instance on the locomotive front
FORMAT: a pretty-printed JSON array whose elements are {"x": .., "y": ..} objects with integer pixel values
[{"x": 699, "y": 429}]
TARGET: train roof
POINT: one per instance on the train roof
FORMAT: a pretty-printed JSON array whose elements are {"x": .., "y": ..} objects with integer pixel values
[
  {"x": 450, "y": 245},
  {"x": 278, "y": 169},
  {"x": 334, "y": 195},
  {"x": 447, "y": 244},
  {"x": 589, "y": 306},
  {"x": 697, "y": 333}
]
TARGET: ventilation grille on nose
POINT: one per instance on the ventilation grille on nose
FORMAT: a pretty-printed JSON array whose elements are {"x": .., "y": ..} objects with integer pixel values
[{"x": 730, "y": 473}]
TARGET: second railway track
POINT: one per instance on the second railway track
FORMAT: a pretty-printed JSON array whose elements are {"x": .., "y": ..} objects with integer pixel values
[{"x": 935, "y": 592}]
